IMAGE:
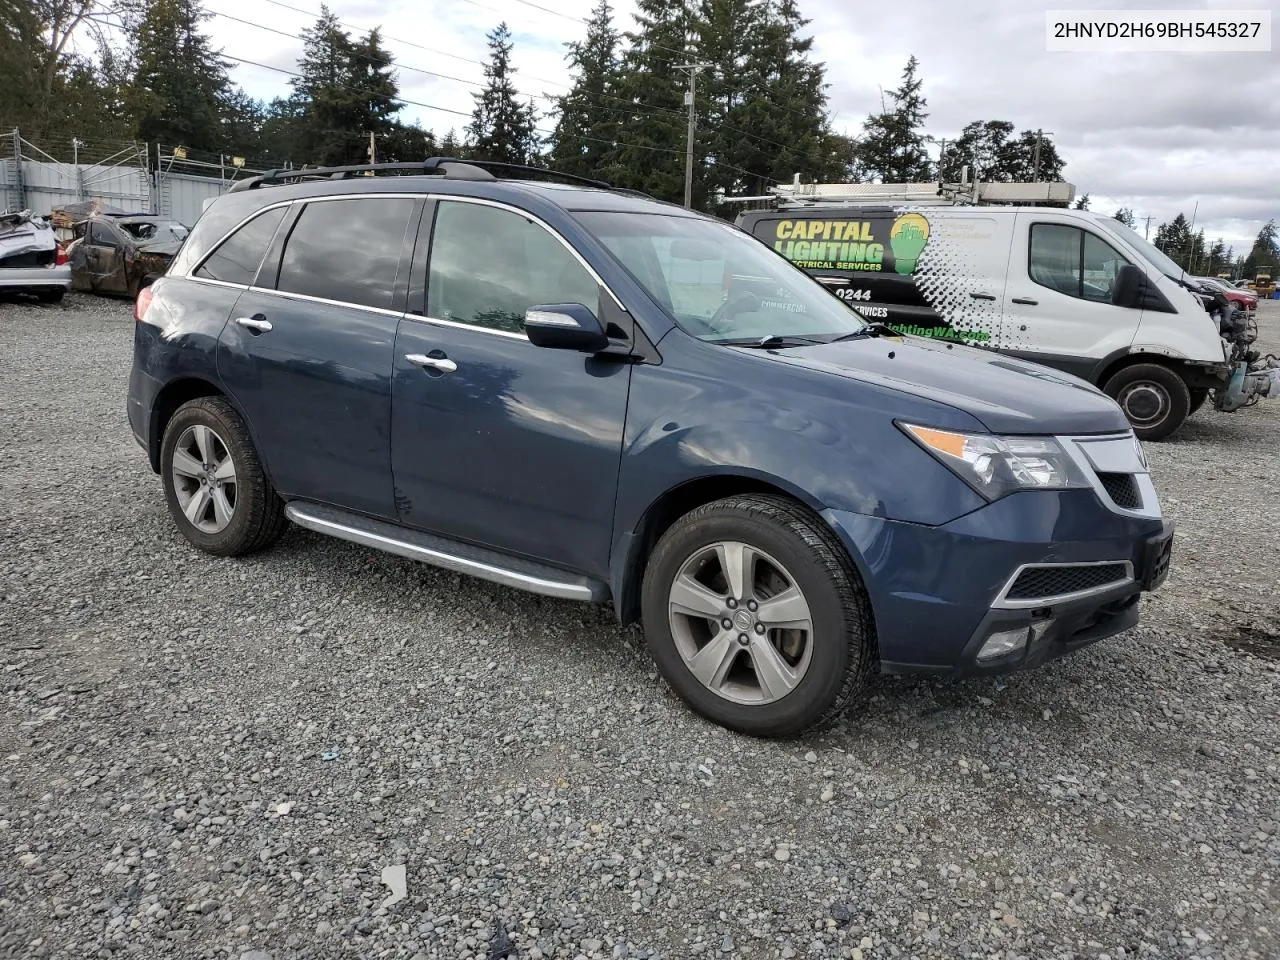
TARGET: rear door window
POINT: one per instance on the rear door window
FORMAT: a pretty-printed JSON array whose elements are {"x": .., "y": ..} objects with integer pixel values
[
  {"x": 348, "y": 251},
  {"x": 236, "y": 260}
]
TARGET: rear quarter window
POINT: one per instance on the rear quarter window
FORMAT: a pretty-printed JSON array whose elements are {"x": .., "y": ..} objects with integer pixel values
[{"x": 237, "y": 259}]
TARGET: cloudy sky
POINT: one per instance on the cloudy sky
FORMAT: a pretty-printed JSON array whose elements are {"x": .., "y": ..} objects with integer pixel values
[{"x": 1153, "y": 131}]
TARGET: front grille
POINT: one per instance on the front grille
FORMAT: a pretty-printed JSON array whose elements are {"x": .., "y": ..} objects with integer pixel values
[
  {"x": 1037, "y": 583},
  {"x": 1122, "y": 488}
]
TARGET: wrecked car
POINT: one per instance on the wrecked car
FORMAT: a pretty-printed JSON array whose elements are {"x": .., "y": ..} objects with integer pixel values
[
  {"x": 122, "y": 254},
  {"x": 31, "y": 258}
]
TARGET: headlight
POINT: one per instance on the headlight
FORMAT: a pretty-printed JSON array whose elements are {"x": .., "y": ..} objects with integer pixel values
[{"x": 995, "y": 466}]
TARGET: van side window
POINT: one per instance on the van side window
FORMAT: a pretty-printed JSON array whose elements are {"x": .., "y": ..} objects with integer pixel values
[
  {"x": 237, "y": 258},
  {"x": 488, "y": 266},
  {"x": 346, "y": 250},
  {"x": 1073, "y": 261}
]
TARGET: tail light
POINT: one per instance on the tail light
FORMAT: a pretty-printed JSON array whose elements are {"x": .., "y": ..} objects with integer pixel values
[
  {"x": 60, "y": 257},
  {"x": 141, "y": 304}
]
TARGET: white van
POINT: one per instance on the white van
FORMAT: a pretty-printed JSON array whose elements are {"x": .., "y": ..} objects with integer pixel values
[{"x": 1065, "y": 288}]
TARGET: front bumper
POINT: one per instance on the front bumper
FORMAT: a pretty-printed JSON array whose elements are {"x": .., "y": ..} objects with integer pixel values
[
  {"x": 939, "y": 593},
  {"x": 36, "y": 278}
]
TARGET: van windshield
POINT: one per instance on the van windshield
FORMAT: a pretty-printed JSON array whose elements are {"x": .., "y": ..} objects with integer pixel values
[
  {"x": 1145, "y": 247},
  {"x": 718, "y": 283}
]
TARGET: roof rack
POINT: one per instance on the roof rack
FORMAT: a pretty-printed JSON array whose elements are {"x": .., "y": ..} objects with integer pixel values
[{"x": 450, "y": 167}]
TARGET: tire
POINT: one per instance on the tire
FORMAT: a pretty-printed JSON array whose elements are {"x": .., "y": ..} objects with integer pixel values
[
  {"x": 1198, "y": 396},
  {"x": 255, "y": 518},
  {"x": 51, "y": 296},
  {"x": 825, "y": 667},
  {"x": 1154, "y": 398}
]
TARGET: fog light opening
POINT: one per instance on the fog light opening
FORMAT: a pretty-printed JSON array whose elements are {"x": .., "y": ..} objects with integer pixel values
[{"x": 1004, "y": 643}]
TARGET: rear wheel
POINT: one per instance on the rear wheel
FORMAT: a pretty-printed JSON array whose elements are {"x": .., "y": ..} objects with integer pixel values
[
  {"x": 1155, "y": 399},
  {"x": 756, "y": 618},
  {"x": 217, "y": 492}
]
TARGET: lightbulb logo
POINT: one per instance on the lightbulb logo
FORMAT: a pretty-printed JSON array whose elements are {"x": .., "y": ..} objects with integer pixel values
[{"x": 907, "y": 239}]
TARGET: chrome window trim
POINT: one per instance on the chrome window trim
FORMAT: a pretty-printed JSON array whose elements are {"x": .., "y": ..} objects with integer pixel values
[
  {"x": 422, "y": 318},
  {"x": 212, "y": 282},
  {"x": 500, "y": 205},
  {"x": 289, "y": 295},
  {"x": 1002, "y": 602}
]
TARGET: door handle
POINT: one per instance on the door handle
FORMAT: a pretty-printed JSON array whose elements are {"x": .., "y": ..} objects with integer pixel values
[
  {"x": 443, "y": 364},
  {"x": 983, "y": 296},
  {"x": 256, "y": 325},
  {"x": 1025, "y": 301}
]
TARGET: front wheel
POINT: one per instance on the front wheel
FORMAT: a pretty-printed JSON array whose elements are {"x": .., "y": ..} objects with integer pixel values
[
  {"x": 756, "y": 618},
  {"x": 1155, "y": 399}
]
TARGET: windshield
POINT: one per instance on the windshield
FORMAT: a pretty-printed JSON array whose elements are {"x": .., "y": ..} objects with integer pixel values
[
  {"x": 1146, "y": 248},
  {"x": 718, "y": 283}
]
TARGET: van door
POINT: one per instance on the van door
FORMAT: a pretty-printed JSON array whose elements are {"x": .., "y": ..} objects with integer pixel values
[
  {"x": 1058, "y": 308},
  {"x": 926, "y": 272}
]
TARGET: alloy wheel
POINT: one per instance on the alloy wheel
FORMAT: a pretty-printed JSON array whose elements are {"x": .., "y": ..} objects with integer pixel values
[
  {"x": 741, "y": 623},
  {"x": 204, "y": 479}
]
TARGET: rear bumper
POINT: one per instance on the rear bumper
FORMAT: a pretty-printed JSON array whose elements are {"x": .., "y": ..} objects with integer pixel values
[
  {"x": 939, "y": 593},
  {"x": 35, "y": 278}
]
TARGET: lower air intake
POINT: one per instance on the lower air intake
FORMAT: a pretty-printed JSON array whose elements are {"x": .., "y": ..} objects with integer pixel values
[{"x": 1039, "y": 583}]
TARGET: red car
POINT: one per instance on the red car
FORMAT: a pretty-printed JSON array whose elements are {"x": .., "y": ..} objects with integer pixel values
[{"x": 1241, "y": 298}]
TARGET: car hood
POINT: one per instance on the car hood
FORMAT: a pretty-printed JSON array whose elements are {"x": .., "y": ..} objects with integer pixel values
[{"x": 1005, "y": 394}]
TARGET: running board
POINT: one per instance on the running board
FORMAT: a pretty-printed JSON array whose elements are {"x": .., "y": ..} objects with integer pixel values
[{"x": 447, "y": 554}]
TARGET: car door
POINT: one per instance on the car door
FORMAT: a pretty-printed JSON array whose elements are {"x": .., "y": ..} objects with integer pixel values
[
  {"x": 493, "y": 440},
  {"x": 307, "y": 353},
  {"x": 1058, "y": 308},
  {"x": 105, "y": 257}
]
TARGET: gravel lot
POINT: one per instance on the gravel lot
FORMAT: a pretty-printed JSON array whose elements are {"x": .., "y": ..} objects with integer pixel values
[{"x": 205, "y": 758}]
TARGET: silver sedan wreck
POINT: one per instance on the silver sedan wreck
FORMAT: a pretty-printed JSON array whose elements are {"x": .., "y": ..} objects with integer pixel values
[{"x": 32, "y": 260}]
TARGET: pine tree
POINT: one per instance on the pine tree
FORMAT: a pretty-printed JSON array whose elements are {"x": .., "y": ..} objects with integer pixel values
[
  {"x": 346, "y": 90},
  {"x": 502, "y": 128},
  {"x": 589, "y": 118},
  {"x": 181, "y": 84},
  {"x": 1176, "y": 240},
  {"x": 1125, "y": 216},
  {"x": 1264, "y": 256},
  {"x": 1082, "y": 203},
  {"x": 979, "y": 148},
  {"x": 892, "y": 148},
  {"x": 650, "y": 151},
  {"x": 1017, "y": 160}
]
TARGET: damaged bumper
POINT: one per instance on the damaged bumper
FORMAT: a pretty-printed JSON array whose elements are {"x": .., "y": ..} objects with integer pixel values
[{"x": 1250, "y": 383}]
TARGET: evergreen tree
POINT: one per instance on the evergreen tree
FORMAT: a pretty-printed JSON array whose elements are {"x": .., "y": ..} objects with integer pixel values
[
  {"x": 1083, "y": 203},
  {"x": 589, "y": 118},
  {"x": 892, "y": 148},
  {"x": 1176, "y": 240},
  {"x": 20, "y": 65},
  {"x": 1218, "y": 258},
  {"x": 1264, "y": 256},
  {"x": 1125, "y": 216},
  {"x": 994, "y": 155},
  {"x": 766, "y": 114},
  {"x": 502, "y": 128},
  {"x": 650, "y": 150},
  {"x": 180, "y": 87},
  {"x": 346, "y": 89},
  {"x": 452, "y": 146}
]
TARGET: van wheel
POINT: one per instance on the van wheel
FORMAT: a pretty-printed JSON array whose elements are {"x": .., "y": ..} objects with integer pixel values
[
  {"x": 756, "y": 618},
  {"x": 217, "y": 492},
  {"x": 1154, "y": 398},
  {"x": 1198, "y": 396}
]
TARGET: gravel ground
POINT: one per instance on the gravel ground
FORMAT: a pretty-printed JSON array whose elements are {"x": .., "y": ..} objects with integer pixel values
[{"x": 206, "y": 758}]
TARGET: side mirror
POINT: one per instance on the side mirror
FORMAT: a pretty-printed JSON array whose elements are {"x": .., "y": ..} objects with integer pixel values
[
  {"x": 565, "y": 326},
  {"x": 1127, "y": 290}
]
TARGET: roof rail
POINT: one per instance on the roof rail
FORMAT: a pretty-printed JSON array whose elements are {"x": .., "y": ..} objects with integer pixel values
[{"x": 450, "y": 167}]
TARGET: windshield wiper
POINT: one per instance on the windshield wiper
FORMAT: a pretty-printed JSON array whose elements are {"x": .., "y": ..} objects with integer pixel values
[
  {"x": 870, "y": 330},
  {"x": 772, "y": 340}
]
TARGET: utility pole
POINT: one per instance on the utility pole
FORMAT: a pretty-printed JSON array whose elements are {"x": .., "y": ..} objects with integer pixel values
[
  {"x": 1146, "y": 231},
  {"x": 1035, "y": 156},
  {"x": 694, "y": 69}
]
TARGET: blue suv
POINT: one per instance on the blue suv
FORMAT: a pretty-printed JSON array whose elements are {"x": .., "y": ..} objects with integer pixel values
[{"x": 589, "y": 394}]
